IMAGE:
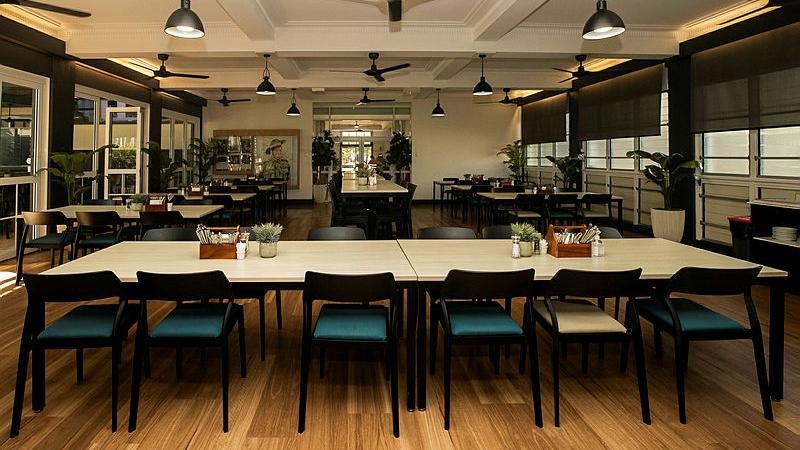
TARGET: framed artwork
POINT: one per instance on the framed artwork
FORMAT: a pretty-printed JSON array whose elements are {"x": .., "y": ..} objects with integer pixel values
[{"x": 263, "y": 154}]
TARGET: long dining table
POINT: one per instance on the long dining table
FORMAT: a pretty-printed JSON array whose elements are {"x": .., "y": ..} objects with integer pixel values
[
  {"x": 419, "y": 266},
  {"x": 189, "y": 212}
]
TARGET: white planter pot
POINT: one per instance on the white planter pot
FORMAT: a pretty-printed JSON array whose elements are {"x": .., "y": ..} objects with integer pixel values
[
  {"x": 320, "y": 193},
  {"x": 668, "y": 224},
  {"x": 363, "y": 181},
  {"x": 137, "y": 206},
  {"x": 267, "y": 249},
  {"x": 525, "y": 249}
]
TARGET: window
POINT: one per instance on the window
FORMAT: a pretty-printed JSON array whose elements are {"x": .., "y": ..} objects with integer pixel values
[
  {"x": 532, "y": 155},
  {"x": 16, "y": 130},
  {"x": 660, "y": 143},
  {"x": 596, "y": 152},
  {"x": 779, "y": 152},
  {"x": 726, "y": 153},
  {"x": 619, "y": 154}
]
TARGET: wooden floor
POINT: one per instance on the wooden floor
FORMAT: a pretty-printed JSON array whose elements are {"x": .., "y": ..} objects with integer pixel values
[{"x": 350, "y": 407}]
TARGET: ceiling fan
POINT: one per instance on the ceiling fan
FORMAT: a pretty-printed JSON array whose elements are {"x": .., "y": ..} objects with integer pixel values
[
  {"x": 366, "y": 100},
  {"x": 162, "y": 71},
  {"x": 374, "y": 71},
  {"x": 770, "y": 5},
  {"x": 225, "y": 101},
  {"x": 581, "y": 71},
  {"x": 46, "y": 7},
  {"x": 505, "y": 101}
]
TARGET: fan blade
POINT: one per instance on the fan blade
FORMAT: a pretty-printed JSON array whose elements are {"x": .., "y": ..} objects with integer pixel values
[
  {"x": 568, "y": 79},
  {"x": 379, "y": 77},
  {"x": 239, "y": 100},
  {"x": 53, "y": 8},
  {"x": 345, "y": 71},
  {"x": 393, "y": 68},
  {"x": 187, "y": 75},
  {"x": 380, "y": 101},
  {"x": 140, "y": 65},
  {"x": 562, "y": 70}
]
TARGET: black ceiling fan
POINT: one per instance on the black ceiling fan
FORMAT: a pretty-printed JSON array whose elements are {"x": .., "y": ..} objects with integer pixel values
[
  {"x": 374, "y": 71},
  {"x": 581, "y": 71},
  {"x": 366, "y": 100},
  {"x": 46, "y": 7},
  {"x": 225, "y": 101},
  {"x": 770, "y": 4},
  {"x": 505, "y": 101},
  {"x": 162, "y": 71}
]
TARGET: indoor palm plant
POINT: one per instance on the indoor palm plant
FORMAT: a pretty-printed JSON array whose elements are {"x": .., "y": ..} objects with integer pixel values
[
  {"x": 267, "y": 235},
  {"x": 668, "y": 172},
  {"x": 205, "y": 154},
  {"x": 515, "y": 159},
  {"x": 569, "y": 170},
  {"x": 69, "y": 170},
  {"x": 168, "y": 168}
]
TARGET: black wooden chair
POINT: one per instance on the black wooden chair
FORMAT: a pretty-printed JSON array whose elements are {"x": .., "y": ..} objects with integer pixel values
[
  {"x": 88, "y": 238},
  {"x": 228, "y": 215},
  {"x": 446, "y": 233},
  {"x": 170, "y": 234},
  {"x": 609, "y": 233},
  {"x": 687, "y": 320},
  {"x": 496, "y": 232},
  {"x": 159, "y": 219},
  {"x": 195, "y": 201},
  {"x": 582, "y": 322},
  {"x": 52, "y": 241},
  {"x": 350, "y": 321},
  {"x": 336, "y": 234},
  {"x": 470, "y": 322},
  {"x": 596, "y": 208},
  {"x": 92, "y": 325},
  {"x": 190, "y": 324},
  {"x": 529, "y": 208},
  {"x": 563, "y": 209},
  {"x": 100, "y": 201},
  {"x": 398, "y": 213}
]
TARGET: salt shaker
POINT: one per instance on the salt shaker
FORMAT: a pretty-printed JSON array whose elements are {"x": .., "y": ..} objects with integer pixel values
[
  {"x": 543, "y": 247},
  {"x": 241, "y": 250},
  {"x": 598, "y": 248},
  {"x": 515, "y": 250}
]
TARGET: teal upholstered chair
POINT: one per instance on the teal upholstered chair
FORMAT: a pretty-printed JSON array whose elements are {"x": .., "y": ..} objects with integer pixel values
[
  {"x": 194, "y": 322},
  {"x": 53, "y": 240},
  {"x": 687, "y": 320},
  {"x": 87, "y": 236},
  {"x": 89, "y": 325},
  {"x": 350, "y": 321}
]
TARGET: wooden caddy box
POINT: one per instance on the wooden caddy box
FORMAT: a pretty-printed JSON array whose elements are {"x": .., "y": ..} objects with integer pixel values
[
  {"x": 567, "y": 250},
  {"x": 220, "y": 251}
]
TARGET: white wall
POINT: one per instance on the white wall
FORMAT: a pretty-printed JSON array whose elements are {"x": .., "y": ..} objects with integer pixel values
[
  {"x": 465, "y": 141},
  {"x": 267, "y": 113}
]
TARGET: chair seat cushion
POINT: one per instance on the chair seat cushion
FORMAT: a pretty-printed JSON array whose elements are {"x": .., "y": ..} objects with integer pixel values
[
  {"x": 53, "y": 239},
  {"x": 89, "y": 322},
  {"x": 525, "y": 214},
  {"x": 561, "y": 213},
  {"x": 693, "y": 316},
  {"x": 101, "y": 240},
  {"x": 596, "y": 214},
  {"x": 579, "y": 317},
  {"x": 480, "y": 319},
  {"x": 192, "y": 321},
  {"x": 351, "y": 323}
]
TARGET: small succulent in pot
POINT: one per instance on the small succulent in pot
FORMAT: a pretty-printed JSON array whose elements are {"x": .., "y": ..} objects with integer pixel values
[
  {"x": 267, "y": 235},
  {"x": 527, "y": 236},
  {"x": 137, "y": 201}
]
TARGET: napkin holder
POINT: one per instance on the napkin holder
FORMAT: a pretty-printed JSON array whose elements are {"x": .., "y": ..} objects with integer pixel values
[
  {"x": 156, "y": 203},
  {"x": 567, "y": 250},
  {"x": 196, "y": 191},
  {"x": 220, "y": 251}
]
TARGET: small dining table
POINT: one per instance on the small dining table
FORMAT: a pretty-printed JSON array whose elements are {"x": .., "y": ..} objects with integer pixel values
[
  {"x": 383, "y": 190},
  {"x": 442, "y": 185},
  {"x": 189, "y": 212}
]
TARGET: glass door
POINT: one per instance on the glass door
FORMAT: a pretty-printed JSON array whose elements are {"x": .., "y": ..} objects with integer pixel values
[{"x": 123, "y": 129}]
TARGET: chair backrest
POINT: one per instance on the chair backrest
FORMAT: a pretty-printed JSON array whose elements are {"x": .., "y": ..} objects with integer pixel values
[
  {"x": 709, "y": 281},
  {"x": 596, "y": 199},
  {"x": 195, "y": 201},
  {"x": 219, "y": 189},
  {"x": 225, "y": 200},
  {"x": 160, "y": 218},
  {"x": 98, "y": 218},
  {"x": 72, "y": 288},
  {"x": 49, "y": 218},
  {"x": 593, "y": 284},
  {"x": 465, "y": 182},
  {"x": 510, "y": 189},
  {"x": 446, "y": 179},
  {"x": 247, "y": 189},
  {"x": 184, "y": 286},
  {"x": 463, "y": 285},
  {"x": 408, "y": 199},
  {"x": 170, "y": 234},
  {"x": 349, "y": 288},
  {"x": 609, "y": 233},
  {"x": 564, "y": 199},
  {"x": 100, "y": 201},
  {"x": 447, "y": 233},
  {"x": 480, "y": 188},
  {"x": 337, "y": 234},
  {"x": 496, "y": 232}
]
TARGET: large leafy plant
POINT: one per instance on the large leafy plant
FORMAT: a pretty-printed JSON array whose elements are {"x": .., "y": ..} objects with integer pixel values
[
  {"x": 69, "y": 171},
  {"x": 515, "y": 158},
  {"x": 569, "y": 169},
  {"x": 167, "y": 167},
  {"x": 668, "y": 172},
  {"x": 322, "y": 153},
  {"x": 399, "y": 152},
  {"x": 205, "y": 154}
]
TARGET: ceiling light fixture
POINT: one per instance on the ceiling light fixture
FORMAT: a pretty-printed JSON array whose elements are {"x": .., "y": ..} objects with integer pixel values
[
  {"x": 482, "y": 88},
  {"x": 293, "y": 111},
  {"x": 184, "y": 23},
  {"x": 603, "y": 24},
  {"x": 438, "y": 111},
  {"x": 266, "y": 87}
]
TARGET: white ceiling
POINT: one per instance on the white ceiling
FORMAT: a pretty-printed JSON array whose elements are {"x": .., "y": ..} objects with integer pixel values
[{"x": 312, "y": 41}]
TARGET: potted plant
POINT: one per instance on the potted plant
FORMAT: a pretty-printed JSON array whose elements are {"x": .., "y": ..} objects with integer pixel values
[
  {"x": 267, "y": 235},
  {"x": 569, "y": 170},
  {"x": 323, "y": 156},
  {"x": 467, "y": 176},
  {"x": 362, "y": 174},
  {"x": 527, "y": 236},
  {"x": 69, "y": 169},
  {"x": 399, "y": 153},
  {"x": 668, "y": 172},
  {"x": 137, "y": 201},
  {"x": 168, "y": 169},
  {"x": 205, "y": 154},
  {"x": 515, "y": 159}
]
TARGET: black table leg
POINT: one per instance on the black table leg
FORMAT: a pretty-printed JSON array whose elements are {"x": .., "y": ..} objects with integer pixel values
[
  {"x": 411, "y": 343},
  {"x": 776, "y": 323},
  {"x": 619, "y": 216},
  {"x": 422, "y": 335}
]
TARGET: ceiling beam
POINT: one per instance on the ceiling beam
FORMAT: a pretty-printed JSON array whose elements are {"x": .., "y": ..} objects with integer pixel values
[
  {"x": 450, "y": 67},
  {"x": 286, "y": 67},
  {"x": 504, "y": 17},
  {"x": 250, "y": 17}
]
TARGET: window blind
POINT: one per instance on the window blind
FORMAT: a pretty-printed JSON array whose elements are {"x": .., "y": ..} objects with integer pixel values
[{"x": 545, "y": 121}]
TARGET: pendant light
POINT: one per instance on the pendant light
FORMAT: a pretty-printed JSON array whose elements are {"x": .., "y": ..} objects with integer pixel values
[
  {"x": 438, "y": 111},
  {"x": 293, "y": 111},
  {"x": 184, "y": 23},
  {"x": 482, "y": 88},
  {"x": 603, "y": 24},
  {"x": 266, "y": 87}
]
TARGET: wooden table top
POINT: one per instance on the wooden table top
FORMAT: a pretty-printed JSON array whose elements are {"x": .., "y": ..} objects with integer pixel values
[
  {"x": 507, "y": 196},
  {"x": 190, "y": 212},
  {"x": 293, "y": 260},
  {"x": 383, "y": 187},
  {"x": 658, "y": 258},
  {"x": 444, "y": 183},
  {"x": 261, "y": 187}
]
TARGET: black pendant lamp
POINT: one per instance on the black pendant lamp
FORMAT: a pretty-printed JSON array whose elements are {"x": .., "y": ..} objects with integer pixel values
[
  {"x": 438, "y": 111},
  {"x": 603, "y": 24},
  {"x": 266, "y": 87},
  {"x": 482, "y": 88},
  {"x": 293, "y": 111},
  {"x": 184, "y": 23}
]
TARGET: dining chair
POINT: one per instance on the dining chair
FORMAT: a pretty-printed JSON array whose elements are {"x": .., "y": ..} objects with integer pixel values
[
  {"x": 228, "y": 215},
  {"x": 336, "y": 234},
  {"x": 592, "y": 200},
  {"x": 398, "y": 213},
  {"x": 496, "y": 232},
  {"x": 159, "y": 219},
  {"x": 193, "y": 322},
  {"x": 469, "y": 322},
  {"x": 348, "y": 212},
  {"x": 348, "y": 319},
  {"x": 87, "y": 236},
  {"x": 170, "y": 234},
  {"x": 687, "y": 320},
  {"x": 580, "y": 321},
  {"x": 89, "y": 325},
  {"x": 529, "y": 208},
  {"x": 563, "y": 209},
  {"x": 53, "y": 239},
  {"x": 100, "y": 201},
  {"x": 446, "y": 233},
  {"x": 609, "y": 233},
  {"x": 195, "y": 201}
]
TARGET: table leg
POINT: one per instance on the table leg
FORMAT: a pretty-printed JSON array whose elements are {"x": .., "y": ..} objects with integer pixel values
[
  {"x": 433, "y": 193},
  {"x": 411, "y": 343},
  {"x": 619, "y": 216},
  {"x": 422, "y": 335},
  {"x": 776, "y": 338}
]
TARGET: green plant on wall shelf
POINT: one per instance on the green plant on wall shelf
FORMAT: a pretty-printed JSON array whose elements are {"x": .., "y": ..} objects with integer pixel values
[
  {"x": 668, "y": 172},
  {"x": 569, "y": 169},
  {"x": 69, "y": 170},
  {"x": 515, "y": 159}
]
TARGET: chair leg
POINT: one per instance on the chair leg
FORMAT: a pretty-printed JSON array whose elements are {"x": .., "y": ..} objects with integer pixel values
[
  {"x": 434, "y": 335},
  {"x": 52, "y": 258},
  {"x": 22, "y": 375},
  {"x": 680, "y": 375},
  {"x": 536, "y": 389},
  {"x": 761, "y": 371},
  {"x": 138, "y": 350},
  {"x": 401, "y": 314},
  {"x": 623, "y": 358},
  {"x": 115, "y": 357},
  {"x": 37, "y": 378},
  {"x": 278, "y": 309},
  {"x": 601, "y": 347},
  {"x": 262, "y": 328},
  {"x": 79, "y": 364},
  {"x": 641, "y": 368},
  {"x": 508, "y": 311},
  {"x": 61, "y": 256},
  {"x": 395, "y": 393},
  {"x": 447, "y": 350},
  {"x": 20, "y": 258},
  {"x": 224, "y": 351},
  {"x": 305, "y": 362},
  {"x": 242, "y": 345},
  {"x": 555, "y": 381}
]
